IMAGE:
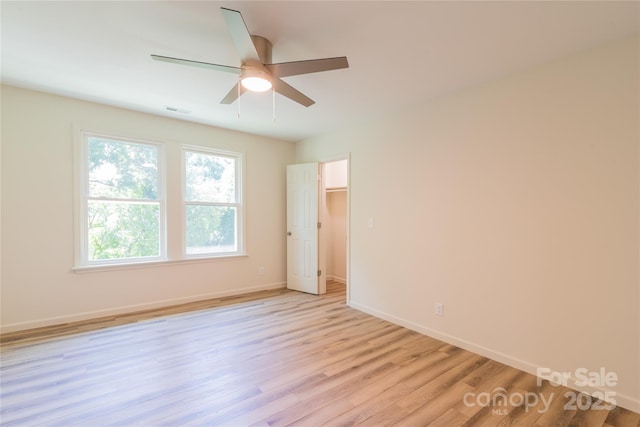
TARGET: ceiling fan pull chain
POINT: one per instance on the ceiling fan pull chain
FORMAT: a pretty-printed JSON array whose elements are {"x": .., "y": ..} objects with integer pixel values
[
  {"x": 273, "y": 93},
  {"x": 239, "y": 99}
]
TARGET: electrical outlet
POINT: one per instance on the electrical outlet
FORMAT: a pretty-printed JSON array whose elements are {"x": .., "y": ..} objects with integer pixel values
[
  {"x": 261, "y": 271},
  {"x": 371, "y": 223},
  {"x": 439, "y": 309}
]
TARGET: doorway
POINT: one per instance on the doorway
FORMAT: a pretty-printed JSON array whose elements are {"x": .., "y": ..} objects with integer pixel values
[
  {"x": 334, "y": 223},
  {"x": 318, "y": 226}
]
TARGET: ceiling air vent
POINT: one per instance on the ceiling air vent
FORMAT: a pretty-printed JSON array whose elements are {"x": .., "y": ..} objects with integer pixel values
[{"x": 176, "y": 110}]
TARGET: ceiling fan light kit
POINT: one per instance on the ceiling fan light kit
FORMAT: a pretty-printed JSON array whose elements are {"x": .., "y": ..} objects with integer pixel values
[
  {"x": 255, "y": 80},
  {"x": 257, "y": 73}
]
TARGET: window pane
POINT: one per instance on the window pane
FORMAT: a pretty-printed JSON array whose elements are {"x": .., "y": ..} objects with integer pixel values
[
  {"x": 120, "y": 169},
  {"x": 209, "y": 178},
  {"x": 211, "y": 229},
  {"x": 123, "y": 230}
]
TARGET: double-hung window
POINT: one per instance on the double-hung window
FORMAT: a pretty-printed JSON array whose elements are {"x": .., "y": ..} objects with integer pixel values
[
  {"x": 122, "y": 208},
  {"x": 212, "y": 202},
  {"x": 126, "y": 213}
]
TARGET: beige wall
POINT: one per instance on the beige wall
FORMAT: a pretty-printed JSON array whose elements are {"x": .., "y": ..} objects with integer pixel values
[
  {"x": 515, "y": 204},
  {"x": 38, "y": 285}
]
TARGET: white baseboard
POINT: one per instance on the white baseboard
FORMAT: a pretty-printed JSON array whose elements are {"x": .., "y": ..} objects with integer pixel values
[
  {"x": 58, "y": 320},
  {"x": 337, "y": 279},
  {"x": 625, "y": 401}
]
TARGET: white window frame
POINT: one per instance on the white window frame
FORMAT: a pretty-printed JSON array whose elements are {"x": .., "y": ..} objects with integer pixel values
[
  {"x": 83, "y": 197},
  {"x": 238, "y": 203}
]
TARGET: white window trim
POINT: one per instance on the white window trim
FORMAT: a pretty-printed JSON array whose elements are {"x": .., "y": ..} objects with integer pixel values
[
  {"x": 239, "y": 203},
  {"x": 168, "y": 256},
  {"x": 152, "y": 264},
  {"x": 81, "y": 190}
]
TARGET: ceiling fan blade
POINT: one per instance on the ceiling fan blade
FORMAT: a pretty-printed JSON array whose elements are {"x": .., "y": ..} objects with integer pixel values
[
  {"x": 217, "y": 67},
  {"x": 295, "y": 68},
  {"x": 295, "y": 95},
  {"x": 233, "y": 94},
  {"x": 241, "y": 37}
]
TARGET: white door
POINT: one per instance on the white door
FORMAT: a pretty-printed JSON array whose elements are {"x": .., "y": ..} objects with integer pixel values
[{"x": 302, "y": 227}]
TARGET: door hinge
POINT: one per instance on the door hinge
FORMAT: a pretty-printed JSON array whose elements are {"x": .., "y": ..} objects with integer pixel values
[
  {"x": 319, "y": 273},
  {"x": 319, "y": 225}
]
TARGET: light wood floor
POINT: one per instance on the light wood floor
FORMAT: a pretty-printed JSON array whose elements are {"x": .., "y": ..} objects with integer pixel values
[{"x": 270, "y": 358}]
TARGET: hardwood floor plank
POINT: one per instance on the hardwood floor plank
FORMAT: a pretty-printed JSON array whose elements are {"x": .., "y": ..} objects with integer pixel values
[
  {"x": 622, "y": 418},
  {"x": 556, "y": 415},
  {"x": 330, "y": 392},
  {"x": 424, "y": 384},
  {"x": 586, "y": 418},
  {"x": 433, "y": 408},
  {"x": 272, "y": 358},
  {"x": 451, "y": 418}
]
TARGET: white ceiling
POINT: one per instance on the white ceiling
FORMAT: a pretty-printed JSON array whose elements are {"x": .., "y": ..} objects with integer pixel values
[{"x": 400, "y": 53}]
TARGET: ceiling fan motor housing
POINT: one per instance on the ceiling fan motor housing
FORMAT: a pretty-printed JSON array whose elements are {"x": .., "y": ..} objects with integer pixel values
[{"x": 263, "y": 47}]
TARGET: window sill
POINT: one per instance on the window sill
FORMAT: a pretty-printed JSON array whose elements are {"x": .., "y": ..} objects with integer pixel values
[{"x": 152, "y": 264}]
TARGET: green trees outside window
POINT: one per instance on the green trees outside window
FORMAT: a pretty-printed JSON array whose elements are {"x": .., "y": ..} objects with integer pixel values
[
  {"x": 122, "y": 202},
  {"x": 123, "y": 207},
  {"x": 211, "y": 202}
]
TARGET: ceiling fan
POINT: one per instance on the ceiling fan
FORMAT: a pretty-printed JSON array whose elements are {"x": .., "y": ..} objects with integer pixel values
[{"x": 256, "y": 72}]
